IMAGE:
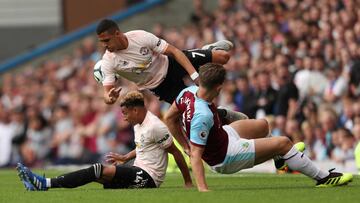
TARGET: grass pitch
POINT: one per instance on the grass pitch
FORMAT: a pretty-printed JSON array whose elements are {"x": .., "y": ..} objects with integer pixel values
[{"x": 241, "y": 187}]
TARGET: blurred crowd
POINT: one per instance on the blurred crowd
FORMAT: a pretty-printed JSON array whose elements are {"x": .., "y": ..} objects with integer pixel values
[{"x": 296, "y": 63}]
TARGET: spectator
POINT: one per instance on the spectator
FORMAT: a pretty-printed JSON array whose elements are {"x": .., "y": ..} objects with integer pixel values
[
  {"x": 265, "y": 95},
  {"x": 66, "y": 141},
  {"x": 7, "y": 133},
  {"x": 287, "y": 95},
  {"x": 344, "y": 143},
  {"x": 36, "y": 148},
  {"x": 244, "y": 97},
  {"x": 336, "y": 87}
]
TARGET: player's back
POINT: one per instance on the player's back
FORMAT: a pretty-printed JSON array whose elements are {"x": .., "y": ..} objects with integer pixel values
[{"x": 202, "y": 125}]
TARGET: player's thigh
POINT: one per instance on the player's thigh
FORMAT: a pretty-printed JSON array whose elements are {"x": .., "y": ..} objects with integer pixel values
[
  {"x": 251, "y": 128},
  {"x": 198, "y": 57},
  {"x": 130, "y": 177},
  {"x": 268, "y": 148}
]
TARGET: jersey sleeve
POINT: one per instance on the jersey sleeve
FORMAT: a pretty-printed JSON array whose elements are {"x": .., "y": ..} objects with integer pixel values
[
  {"x": 154, "y": 43},
  {"x": 200, "y": 128},
  {"x": 178, "y": 99},
  {"x": 107, "y": 67},
  {"x": 162, "y": 136}
]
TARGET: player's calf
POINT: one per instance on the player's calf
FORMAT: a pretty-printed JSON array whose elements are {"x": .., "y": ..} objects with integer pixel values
[
  {"x": 280, "y": 163},
  {"x": 230, "y": 116}
]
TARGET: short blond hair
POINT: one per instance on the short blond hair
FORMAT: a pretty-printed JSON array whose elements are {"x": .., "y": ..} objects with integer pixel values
[{"x": 132, "y": 99}]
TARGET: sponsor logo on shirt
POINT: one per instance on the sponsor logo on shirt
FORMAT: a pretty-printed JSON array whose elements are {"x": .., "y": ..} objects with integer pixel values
[
  {"x": 121, "y": 63},
  {"x": 187, "y": 102},
  {"x": 163, "y": 139},
  {"x": 203, "y": 134},
  {"x": 125, "y": 63}
]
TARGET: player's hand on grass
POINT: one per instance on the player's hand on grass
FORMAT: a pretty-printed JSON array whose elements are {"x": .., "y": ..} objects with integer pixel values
[
  {"x": 189, "y": 185},
  {"x": 204, "y": 190},
  {"x": 115, "y": 158}
]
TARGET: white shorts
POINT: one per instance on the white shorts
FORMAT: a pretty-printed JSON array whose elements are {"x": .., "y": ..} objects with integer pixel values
[{"x": 240, "y": 153}]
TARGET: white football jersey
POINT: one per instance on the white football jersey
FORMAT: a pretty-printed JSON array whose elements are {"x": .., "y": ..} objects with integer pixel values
[
  {"x": 152, "y": 138},
  {"x": 142, "y": 62}
]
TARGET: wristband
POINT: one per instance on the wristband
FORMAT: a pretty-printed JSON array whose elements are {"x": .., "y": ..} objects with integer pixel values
[{"x": 194, "y": 75}]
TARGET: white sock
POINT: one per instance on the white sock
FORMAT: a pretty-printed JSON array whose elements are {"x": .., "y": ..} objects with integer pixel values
[
  {"x": 48, "y": 183},
  {"x": 300, "y": 162}
]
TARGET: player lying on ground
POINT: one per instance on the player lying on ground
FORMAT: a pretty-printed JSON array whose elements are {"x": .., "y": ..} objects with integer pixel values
[
  {"x": 153, "y": 143},
  {"x": 230, "y": 148}
]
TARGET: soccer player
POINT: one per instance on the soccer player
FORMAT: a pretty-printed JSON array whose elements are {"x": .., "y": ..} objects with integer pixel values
[
  {"x": 230, "y": 148},
  {"x": 153, "y": 143},
  {"x": 153, "y": 64}
]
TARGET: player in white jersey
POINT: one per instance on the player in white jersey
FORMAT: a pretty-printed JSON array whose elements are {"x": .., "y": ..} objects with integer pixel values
[
  {"x": 153, "y": 143},
  {"x": 154, "y": 64}
]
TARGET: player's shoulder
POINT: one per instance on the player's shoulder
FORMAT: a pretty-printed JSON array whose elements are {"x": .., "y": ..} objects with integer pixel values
[
  {"x": 108, "y": 56},
  {"x": 201, "y": 109},
  {"x": 202, "y": 115},
  {"x": 137, "y": 33},
  {"x": 188, "y": 92},
  {"x": 154, "y": 121},
  {"x": 157, "y": 126},
  {"x": 192, "y": 90}
]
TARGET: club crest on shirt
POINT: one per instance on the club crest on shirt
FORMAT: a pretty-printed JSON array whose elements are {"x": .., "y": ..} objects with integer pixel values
[
  {"x": 144, "y": 51},
  {"x": 245, "y": 145}
]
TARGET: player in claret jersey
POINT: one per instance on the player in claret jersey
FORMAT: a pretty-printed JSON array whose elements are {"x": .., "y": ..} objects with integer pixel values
[{"x": 230, "y": 148}]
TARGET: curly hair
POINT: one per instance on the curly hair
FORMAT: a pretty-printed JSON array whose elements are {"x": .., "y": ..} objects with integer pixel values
[{"x": 132, "y": 99}]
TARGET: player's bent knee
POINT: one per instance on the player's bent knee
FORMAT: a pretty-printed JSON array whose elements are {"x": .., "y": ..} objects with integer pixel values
[
  {"x": 284, "y": 144},
  {"x": 264, "y": 124},
  {"x": 98, "y": 169}
]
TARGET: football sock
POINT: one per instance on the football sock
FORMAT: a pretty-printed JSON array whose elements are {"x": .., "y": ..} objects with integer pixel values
[
  {"x": 77, "y": 178},
  {"x": 300, "y": 162}
]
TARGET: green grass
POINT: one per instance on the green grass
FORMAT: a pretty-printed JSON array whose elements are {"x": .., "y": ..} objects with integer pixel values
[{"x": 240, "y": 188}]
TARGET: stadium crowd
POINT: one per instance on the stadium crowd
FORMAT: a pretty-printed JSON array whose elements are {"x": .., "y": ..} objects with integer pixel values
[{"x": 296, "y": 63}]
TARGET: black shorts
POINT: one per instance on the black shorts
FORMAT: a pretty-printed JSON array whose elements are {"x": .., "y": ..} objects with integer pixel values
[
  {"x": 130, "y": 177},
  {"x": 173, "y": 83}
]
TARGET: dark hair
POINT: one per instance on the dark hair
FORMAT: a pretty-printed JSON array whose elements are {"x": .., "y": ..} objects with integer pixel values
[
  {"x": 211, "y": 74},
  {"x": 132, "y": 99},
  {"x": 107, "y": 25}
]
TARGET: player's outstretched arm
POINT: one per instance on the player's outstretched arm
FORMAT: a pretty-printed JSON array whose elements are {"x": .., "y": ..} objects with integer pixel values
[
  {"x": 173, "y": 121},
  {"x": 198, "y": 167},
  {"x": 115, "y": 158},
  {"x": 111, "y": 94},
  {"x": 180, "y": 161},
  {"x": 183, "y": 61}
]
